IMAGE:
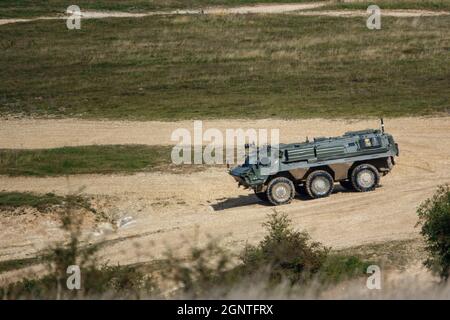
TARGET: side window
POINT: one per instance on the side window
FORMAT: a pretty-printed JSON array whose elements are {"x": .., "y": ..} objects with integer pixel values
[{"x": 368, "y": 143}]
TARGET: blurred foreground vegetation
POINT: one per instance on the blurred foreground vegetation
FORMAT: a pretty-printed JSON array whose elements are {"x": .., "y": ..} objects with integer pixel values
[{"x": 284, "y": 256}]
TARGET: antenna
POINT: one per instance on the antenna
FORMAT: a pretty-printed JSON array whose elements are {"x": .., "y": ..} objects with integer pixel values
[{"x": 382, "y": 125}]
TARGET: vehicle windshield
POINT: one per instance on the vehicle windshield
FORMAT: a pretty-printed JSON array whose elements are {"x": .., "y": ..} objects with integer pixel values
[{"x": 249, "y": 159}]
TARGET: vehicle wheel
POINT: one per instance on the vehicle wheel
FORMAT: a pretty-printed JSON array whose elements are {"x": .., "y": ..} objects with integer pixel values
[
  {"x": 261, "y": 196},
  {"x": 319, "y": 184},
  {"x": 365, "y": 177},
  {"x": 280, "y": 191},
  {"x": 346, "y": 184}
]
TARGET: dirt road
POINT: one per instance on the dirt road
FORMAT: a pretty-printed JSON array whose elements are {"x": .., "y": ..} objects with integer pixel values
[
  {"x": 35, "y": 134},
  {"x": 262, "y": 8},
  {"x": 173, "y": 209},
  {"x": 300, "y": 8},
  {"x": 398, "y": 13}
]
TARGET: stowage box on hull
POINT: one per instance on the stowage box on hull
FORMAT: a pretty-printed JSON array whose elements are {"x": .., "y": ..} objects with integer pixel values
[{"x": 351, "y": 144}]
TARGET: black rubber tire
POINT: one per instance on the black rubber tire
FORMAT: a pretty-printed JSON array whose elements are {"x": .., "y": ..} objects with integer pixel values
[
  {"x": 346, "y": 184},
  {"x": 318, "y": 174},
  {"x": 262, "y": 196},
  {"x": 365, "y": 167},
  {"x": 272, "y": 186}
]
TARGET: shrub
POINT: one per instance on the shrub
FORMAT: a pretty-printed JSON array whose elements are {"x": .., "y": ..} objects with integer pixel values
[
  {"x": 434, "y": 217},
  {"x": 286, "y": 253},
  {"x": 341, "y": 267},
  {"x": 283, "y": 254}
]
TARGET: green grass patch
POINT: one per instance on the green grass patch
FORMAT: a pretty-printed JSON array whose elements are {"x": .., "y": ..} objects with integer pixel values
[
  {"x": 341, "y": 267},
  {"x": 84, "y": 160},
  {"x": 35, "y": 8},
  {"x": 20, "y": 199},
  {"x": 397, "y": 254},
  {"x": 253, "y": 66},
  {"x": 41, "y": 202},
  {"x": 439, "y": 5}
]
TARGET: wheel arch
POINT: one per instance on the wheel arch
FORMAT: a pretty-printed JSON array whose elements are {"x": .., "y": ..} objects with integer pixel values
[
  {"x": 379, "y": 163},
  {"x": 284, "y": 174},
  {"x": 326, "y": 168}
]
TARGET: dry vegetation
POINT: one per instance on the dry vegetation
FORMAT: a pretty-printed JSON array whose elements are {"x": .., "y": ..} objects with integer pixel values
[
  {"x": 284, "y": 256},
  {"x": 437, "y": 5},
  {"x": 261, "y": 66}
]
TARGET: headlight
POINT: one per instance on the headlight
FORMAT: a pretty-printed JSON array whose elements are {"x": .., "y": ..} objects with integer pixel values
[{"x": 265, "y": 161}]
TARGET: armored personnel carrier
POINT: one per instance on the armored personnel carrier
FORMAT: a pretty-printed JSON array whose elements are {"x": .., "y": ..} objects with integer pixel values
[{"x": 356, "y": 160}]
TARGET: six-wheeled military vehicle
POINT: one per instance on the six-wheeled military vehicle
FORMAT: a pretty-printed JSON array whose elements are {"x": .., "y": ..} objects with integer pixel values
[{"x": 356, "y": 160}]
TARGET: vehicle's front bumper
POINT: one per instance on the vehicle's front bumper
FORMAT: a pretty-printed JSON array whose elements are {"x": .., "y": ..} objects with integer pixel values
[{"x": 239, "y": 180}]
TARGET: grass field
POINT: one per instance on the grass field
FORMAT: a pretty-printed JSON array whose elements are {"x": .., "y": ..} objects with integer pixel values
[
  {"x": 392, "y": 4},
  {"x": 41, "y": 202},
  {"x": 185, "y": 67},
  {"x": 83, "y": 160},
  {"x": 34, "y": 8},
  {"x": 19, "y": 199}
]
